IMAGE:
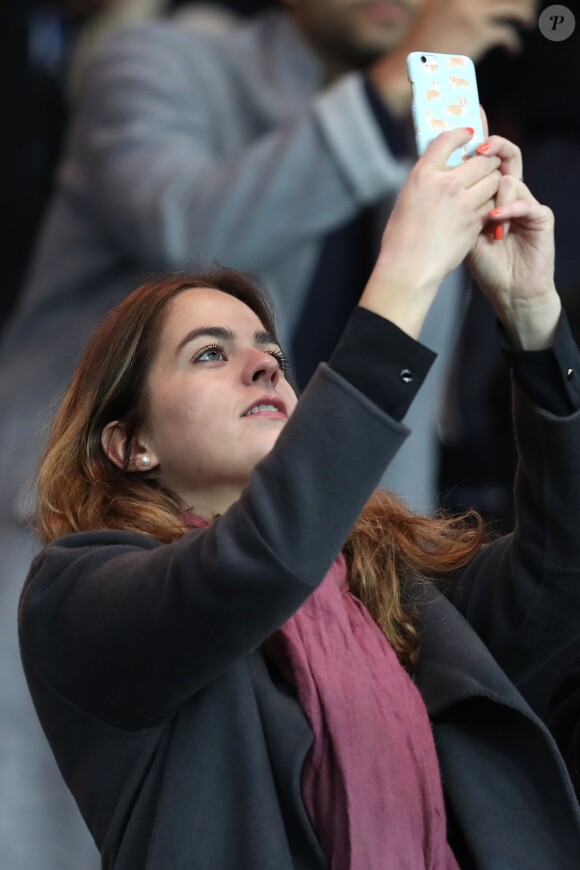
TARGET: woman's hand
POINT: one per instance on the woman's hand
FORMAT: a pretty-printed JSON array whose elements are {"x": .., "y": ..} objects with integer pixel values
[
  {"x": 438, "y": 216},
  {"x": 512, "y": 260}
]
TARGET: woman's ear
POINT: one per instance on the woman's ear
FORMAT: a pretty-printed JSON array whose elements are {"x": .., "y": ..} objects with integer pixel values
[{"x": 114, "y": 442}]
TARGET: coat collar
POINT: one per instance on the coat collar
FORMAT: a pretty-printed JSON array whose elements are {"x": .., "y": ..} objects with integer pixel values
[{"x": 454, "y": 662}]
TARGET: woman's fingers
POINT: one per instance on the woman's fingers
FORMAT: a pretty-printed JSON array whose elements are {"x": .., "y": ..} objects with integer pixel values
[
  {"x": 475, "y": 169},
  {"x": 506, "y": 193},
  {"x": 509, "y": 154},
  {"x": 483, "y": 194},
  {"x": 515, "y": 202},
  {"x": 510, "y": 167},
  {"x": 440, "y": 149},
  {"x": 524, "y": 209},
  {"x": 509, "y": 191}
]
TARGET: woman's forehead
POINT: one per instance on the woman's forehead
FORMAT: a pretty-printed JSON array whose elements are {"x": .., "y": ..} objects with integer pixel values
[{"x": 206, "y": 306}]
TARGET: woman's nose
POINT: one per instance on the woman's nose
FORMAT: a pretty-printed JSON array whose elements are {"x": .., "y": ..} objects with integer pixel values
[{"x": 261, "y": 366}]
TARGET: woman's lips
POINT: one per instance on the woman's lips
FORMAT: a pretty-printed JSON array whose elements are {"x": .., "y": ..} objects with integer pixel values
[{"x": 276, "y": 408}]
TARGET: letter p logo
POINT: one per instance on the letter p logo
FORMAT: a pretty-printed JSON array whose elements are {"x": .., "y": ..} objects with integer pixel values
[{"x": 557, "y": 23}]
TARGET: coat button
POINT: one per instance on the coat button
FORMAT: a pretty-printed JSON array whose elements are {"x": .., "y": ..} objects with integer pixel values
[
  {"x": 406, "y": 375},
  {"x": 570, "y": 373}
]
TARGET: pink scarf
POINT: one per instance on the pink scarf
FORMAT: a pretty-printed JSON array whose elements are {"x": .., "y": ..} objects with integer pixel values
[{"x": 371, "y": 782}]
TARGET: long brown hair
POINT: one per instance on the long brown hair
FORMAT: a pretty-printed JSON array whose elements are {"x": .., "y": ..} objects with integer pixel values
[{"x": 80, "y": 489}]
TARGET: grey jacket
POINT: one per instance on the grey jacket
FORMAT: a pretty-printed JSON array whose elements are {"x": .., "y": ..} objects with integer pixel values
[{"x": 183, "y": 748}]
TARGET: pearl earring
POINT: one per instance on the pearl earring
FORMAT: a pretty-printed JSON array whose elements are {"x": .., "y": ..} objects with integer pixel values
[{"x": 145, "y": 460}]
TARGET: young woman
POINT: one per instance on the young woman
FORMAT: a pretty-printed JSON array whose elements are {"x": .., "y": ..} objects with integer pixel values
[{"x": 241, "y": 657}]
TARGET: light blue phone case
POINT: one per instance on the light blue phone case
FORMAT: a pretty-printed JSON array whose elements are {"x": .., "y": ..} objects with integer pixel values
[{"x": 444, "y": 97}]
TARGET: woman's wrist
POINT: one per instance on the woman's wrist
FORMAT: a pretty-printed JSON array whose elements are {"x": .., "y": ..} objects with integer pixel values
[
  {"x": 402, "y": 294},
  {"x": 531, "y": 323}
]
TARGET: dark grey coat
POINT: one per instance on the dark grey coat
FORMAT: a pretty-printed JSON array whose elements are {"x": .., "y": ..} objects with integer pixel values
[{"x": 184, "y": 750}]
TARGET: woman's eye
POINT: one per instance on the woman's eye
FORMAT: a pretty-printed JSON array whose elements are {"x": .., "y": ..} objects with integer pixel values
[
  {"x": 210, "y": 354},
  {"x": 216, "y": 353}
]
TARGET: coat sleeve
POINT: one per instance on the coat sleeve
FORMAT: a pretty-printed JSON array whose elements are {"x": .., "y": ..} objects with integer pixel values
[
  {"x": 522, "y": 592},
  {"x": 160, "y": 151},
  {"x": 127, "y": 628}
]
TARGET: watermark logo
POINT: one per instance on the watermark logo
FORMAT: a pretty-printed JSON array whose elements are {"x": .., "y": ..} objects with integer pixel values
[{"x": 557, "y": 23}]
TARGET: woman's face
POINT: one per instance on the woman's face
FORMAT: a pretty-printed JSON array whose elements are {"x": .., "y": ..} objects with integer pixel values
[{"x": 214, "y": 368}]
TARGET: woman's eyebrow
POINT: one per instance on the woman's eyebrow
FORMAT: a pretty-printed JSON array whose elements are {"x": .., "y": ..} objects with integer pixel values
[
  {"x": 261, "y": 336},
  {"x": 214, "y": 331}
]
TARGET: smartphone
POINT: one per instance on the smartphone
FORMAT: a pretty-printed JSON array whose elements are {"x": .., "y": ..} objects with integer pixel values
[{"x": 445, "y": 97}]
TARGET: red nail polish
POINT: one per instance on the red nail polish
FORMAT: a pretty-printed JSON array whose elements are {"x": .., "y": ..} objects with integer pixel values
[
  {"x": 498, "y": 232},
  {"x": 483, "y": 147},
  {"x": 495, "y": 211},
  {"x": 470, "y": 130}
]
